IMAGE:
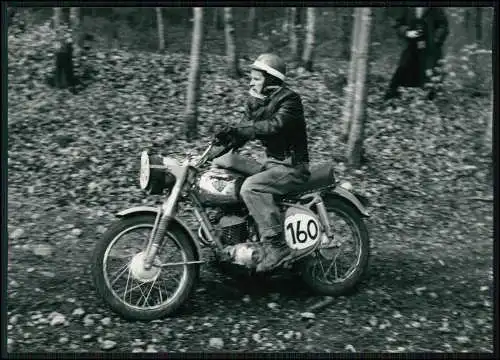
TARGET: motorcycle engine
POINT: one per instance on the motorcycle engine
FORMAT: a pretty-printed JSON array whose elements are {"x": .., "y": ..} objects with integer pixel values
[{"x": 234, "y": 229}]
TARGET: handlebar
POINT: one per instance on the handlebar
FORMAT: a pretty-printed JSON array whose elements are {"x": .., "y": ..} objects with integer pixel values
[{"x": 206, "y": 156}]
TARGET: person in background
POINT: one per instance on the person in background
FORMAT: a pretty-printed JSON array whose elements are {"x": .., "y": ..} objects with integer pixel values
[{"x": 425, "y": 31}]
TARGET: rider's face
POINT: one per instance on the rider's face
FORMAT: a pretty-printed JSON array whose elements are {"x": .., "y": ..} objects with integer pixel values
[{"x": 257, "y": 81}]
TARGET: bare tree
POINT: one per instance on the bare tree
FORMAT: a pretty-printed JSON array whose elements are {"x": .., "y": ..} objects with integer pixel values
[
  {"x": 218, "y": 18},
  {"x": 63, "y": 69},
  {"x": 286, "y": 20},
  {"x": 479, "y": 25},
  {"x": 488, "y": 134},
  {"x": 252, "y": 22},
  {"x": 307, "y": 56},
  {"x": 57, "y": 20},
  {"x": 467, "y": 16},
  {"x": 294, "y": 39},
  {"x": 351, "y": 77},
  {"x": 355, "y": 143},
  {"x": 345, "y": 15},
  {"x": 191, "y": 111},
  {"x": 231, "y": 53},
  {"x": 74, "y": 20},
  {"x": 161, "y": 29}
]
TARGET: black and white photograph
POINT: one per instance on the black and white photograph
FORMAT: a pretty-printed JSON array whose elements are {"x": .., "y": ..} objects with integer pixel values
[{"x": 249, "y": 180}]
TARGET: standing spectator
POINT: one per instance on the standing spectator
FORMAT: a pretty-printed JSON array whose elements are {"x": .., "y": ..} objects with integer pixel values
[{"x": 425, "y": 30}]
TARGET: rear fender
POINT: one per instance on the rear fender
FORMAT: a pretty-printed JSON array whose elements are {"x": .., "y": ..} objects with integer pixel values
[
  {"x": 137, "y": 210},
  {"x": 339, "y": 192}
]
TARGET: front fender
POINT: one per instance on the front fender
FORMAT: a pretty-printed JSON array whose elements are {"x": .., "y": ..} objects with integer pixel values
[
  {"x": 174, "y": 221},
  {"x": 350, "y": 197}
]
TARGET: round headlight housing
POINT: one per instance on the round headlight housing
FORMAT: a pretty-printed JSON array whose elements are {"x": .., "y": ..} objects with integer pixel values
[
  {"x": 145, "y": 172},
  {"x": 154, "y": 178}
]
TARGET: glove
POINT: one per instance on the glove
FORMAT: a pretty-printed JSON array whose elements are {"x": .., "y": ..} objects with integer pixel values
[
  {"x": 245, "y": 131},
  {"x": 223, "y": 135}
]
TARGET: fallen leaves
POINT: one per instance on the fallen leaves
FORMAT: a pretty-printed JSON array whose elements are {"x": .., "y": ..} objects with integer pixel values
[{"x": 68, "y": 153}]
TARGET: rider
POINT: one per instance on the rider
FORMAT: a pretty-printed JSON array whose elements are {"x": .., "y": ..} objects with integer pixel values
[{"x": 274, "y": 115}]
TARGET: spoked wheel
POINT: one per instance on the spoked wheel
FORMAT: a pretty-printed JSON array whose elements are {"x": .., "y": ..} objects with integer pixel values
[
  {"x": 337, "y": 267},
  {"x": 126, "y": 286}
]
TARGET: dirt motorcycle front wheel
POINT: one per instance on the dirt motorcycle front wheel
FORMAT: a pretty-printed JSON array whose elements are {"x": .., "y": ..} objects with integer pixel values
[
  {"x": 337, "y": 268},
  {"x": 126, "y": 286}
]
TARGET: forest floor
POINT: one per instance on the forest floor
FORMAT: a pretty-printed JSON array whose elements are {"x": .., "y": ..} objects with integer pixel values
[{"x": 73, "y": 163}]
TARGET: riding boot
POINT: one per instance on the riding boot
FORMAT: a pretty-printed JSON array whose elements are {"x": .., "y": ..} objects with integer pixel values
[{"x": 275, "y": 250}]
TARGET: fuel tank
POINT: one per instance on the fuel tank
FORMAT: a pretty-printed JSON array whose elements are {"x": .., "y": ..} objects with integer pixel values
[{"x": 220, "y": 187}]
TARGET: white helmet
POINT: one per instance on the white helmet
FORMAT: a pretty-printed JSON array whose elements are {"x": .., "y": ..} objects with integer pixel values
[{"x": 271, "y": 64}]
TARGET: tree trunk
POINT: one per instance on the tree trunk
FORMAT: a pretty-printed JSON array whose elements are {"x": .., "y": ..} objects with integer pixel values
[
  {"x": 191, "y": 111},
  {"x": 286, "y": 19},
  {"x": 63, "y": 69},
  {"x": 351, "y": 76},
  {"x": 252, "y": 22},
  {"x": 345, "y": 34},
  {"x": 479, "y": 25},
  {"x": 77, "y": 38},
  {"x": 488, "y": 134},
  {"x": 76, "y": 31},
  {"x": 294, "y": 39},
  {"x": 231, "y": 53},
  {"x": 218, "y": 18},
  {"x": 161, "y": 29},
  {"x": 307, "y": 56},
  {"x": 57, "y": 19},
  {"x": 355, "y": 143},
  {"x": 467, "y": 20}
]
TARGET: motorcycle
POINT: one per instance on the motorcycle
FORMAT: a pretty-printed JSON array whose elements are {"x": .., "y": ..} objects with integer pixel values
[{"x": 152, "y": 276}]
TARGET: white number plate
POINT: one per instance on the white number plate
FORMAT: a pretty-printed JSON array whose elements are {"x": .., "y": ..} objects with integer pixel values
[{"x": 301, "y": 231}]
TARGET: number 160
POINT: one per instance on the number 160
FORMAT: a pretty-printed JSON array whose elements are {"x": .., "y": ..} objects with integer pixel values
[{"x": 301, "y": 235}]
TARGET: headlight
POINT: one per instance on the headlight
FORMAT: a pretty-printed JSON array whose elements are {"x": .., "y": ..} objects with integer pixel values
[
  {"x": 154, "y": 178},
  {"x": 145, "y": 171}
]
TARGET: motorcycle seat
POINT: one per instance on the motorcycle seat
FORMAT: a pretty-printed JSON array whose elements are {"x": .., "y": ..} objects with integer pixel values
[{"x": 322, "y": 175}]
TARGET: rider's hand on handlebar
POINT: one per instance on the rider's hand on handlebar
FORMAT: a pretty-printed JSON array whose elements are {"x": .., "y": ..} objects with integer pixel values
[{"x": 224, "y": 136}]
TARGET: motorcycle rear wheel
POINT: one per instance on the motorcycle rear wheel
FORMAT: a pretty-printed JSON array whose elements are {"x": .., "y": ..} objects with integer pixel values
[
  {"x": 126, "y": 302},
  {"x": 313, "y": 269}
]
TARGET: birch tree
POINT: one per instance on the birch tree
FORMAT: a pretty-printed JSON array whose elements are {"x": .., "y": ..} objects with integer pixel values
[
  {"x": 218, "y": 18},
  {"x": 307, "y": 56},
  {"x": 252, "y": 22},
  {"x": 231, "y": 53},
  {"x": 488, "y": 134},
  {"x": 161, "y": 29},
  {"x": 294, "y": 39},
  {"x": 191, "y": 111},
  {"x": 355, "y": 143},
  {"x": 63, "y": 58},
  {"x": 77, "y": 37},
  {"x": 344, "y": 15},
  {"x": 74, "y": 20},
  {"x": 57, "y": 22},
  {"x": 351, "y": 76},
  {"x": 286, "y": 20},
  {"x": 479, "y": 25}
]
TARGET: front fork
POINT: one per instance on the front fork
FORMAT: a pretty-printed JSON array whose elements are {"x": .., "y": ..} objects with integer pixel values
[
  {"x": 165, "y": 212},
  {"x": 323, "y": 216}
]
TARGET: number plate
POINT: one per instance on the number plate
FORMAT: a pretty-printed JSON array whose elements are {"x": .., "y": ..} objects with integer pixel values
[{"x": 301, "y": 231}]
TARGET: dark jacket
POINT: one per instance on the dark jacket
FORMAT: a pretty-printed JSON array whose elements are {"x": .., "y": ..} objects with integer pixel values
[
  {"x": 278, "y": 121},
  {"x": 414, "y": 60}
]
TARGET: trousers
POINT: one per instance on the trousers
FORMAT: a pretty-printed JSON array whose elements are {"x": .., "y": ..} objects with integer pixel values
[{"x": 258, "y": 191}]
